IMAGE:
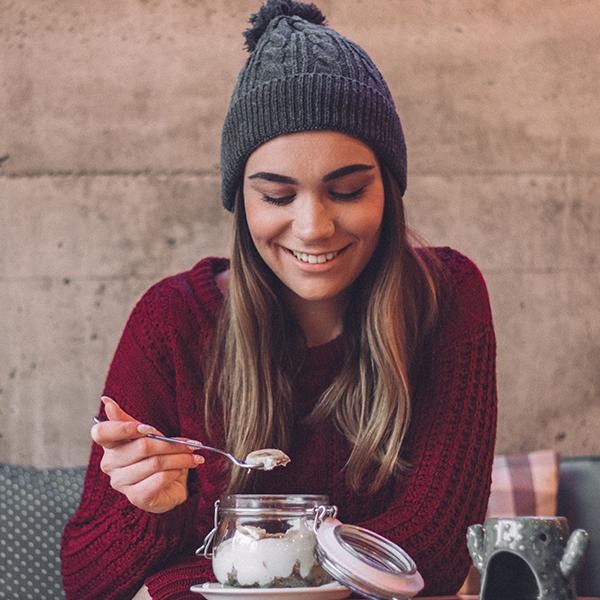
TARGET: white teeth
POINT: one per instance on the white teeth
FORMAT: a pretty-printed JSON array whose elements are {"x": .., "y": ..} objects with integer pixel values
[{"x": 314, "y": 258}]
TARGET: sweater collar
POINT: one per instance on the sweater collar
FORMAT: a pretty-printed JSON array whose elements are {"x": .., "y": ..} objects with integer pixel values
[
  {"x": 326, "y": 355},
  {"x": 205, "y": 273}
]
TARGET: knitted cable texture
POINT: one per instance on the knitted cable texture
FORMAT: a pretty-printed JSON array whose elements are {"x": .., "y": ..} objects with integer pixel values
[{"x": 110, "y": 548}]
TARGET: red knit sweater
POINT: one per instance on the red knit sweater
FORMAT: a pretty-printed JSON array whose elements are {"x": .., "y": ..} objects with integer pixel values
[{"x": 110, "y": 548}]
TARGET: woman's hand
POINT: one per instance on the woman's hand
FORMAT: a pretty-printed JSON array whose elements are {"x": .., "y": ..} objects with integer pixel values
[{"x": 151, "y": 473}]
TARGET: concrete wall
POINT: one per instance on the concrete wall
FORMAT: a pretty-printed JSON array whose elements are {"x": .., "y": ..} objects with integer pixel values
[{"x": 110, "y": 117}]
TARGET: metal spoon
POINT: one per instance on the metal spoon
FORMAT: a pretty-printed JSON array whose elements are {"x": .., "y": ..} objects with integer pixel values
[{"x": 258, "y": 459}]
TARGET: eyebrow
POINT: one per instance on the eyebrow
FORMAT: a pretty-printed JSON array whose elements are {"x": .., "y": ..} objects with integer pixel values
[{"x": 274, "y": 177}]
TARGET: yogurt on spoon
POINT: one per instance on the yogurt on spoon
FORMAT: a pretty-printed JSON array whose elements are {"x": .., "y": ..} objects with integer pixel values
[{"x": 267, "y": 459}]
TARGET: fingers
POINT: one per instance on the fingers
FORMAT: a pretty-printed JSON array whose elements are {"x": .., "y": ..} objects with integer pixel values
[
  {"x": 125, "y": 454},
  {"x": 114, "y": 412},
  {"x": 151, "y": 466},
  {"x": 121, "y": 427},
  {"x": 110, "y": 434},
  {"x": 160, "y": 492},
  {"x": 151, "y": 473}
]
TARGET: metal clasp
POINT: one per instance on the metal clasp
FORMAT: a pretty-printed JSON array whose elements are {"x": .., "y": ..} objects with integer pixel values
[
  {"x": 323, "y": 512},
  {"x": 207, "y": 543}
]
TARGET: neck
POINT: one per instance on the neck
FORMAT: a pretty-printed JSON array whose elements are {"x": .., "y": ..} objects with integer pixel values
[{"x": 321, "y": 320}]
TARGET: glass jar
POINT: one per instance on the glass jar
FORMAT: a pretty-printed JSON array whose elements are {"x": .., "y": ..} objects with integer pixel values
[
  {"x": 279, "y": 541},
  {"x": 267, "y": 541}
]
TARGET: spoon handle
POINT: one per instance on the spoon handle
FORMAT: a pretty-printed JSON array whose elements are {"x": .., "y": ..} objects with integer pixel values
[{"x": 193, "y": 444}]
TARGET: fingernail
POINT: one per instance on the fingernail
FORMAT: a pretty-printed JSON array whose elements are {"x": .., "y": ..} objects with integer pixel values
[
  {"x": 145, "y": 429},
  {"x": 199, "y": 459},
  {"x": 106, "y": 400}
]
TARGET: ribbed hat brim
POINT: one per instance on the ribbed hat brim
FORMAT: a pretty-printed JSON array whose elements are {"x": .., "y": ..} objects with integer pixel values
[{"x": 305, "y": 102}]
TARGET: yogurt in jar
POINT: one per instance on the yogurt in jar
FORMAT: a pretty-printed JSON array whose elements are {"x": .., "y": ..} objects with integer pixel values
[{"x": 254, "y": 558}]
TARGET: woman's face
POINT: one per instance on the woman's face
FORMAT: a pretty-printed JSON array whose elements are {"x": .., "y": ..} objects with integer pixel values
[{"x": 314, "y": 204}]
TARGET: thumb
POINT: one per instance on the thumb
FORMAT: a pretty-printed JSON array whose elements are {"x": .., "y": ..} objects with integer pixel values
[{"x": 114, "y": 412}]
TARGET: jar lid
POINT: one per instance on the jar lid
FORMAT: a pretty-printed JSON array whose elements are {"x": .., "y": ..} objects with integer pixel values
[{"x": 366, "y": 562}]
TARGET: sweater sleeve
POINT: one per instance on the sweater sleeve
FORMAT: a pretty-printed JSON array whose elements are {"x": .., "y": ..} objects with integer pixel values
[
  {"x": 451, "y": 441},
  {"x": 109, "y": 547}
]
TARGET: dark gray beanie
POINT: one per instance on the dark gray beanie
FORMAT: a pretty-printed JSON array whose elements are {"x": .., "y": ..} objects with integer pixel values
[{"x": 302, "y": 75}]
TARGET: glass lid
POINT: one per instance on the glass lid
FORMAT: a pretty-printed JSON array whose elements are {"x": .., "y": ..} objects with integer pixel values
[{"x": 364, "y": 561}]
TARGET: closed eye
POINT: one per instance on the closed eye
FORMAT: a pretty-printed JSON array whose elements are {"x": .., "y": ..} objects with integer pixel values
[
  {"x": 279, "y": 201},
  {"x": 350, "y": 195},
  {"x": 283, "y": 200}
]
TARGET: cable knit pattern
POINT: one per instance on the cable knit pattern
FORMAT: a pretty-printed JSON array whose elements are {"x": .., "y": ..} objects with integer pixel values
[{"x": 110, "y": 548}]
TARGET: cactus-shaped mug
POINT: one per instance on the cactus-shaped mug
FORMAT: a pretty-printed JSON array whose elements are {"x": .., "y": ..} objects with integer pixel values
[{"x": 530, "y": 558}]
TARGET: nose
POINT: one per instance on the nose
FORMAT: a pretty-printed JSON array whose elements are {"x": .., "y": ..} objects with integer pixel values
[{"x": 313, "y": 220}]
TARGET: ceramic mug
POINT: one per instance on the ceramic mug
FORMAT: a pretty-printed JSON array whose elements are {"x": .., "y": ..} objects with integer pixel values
[{"x": 526, "y": 557}]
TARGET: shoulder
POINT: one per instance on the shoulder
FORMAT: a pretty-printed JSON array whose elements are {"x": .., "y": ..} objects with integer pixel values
[
  {"x": 189, "y": 295},
  {"x": 463, "y": 295}
]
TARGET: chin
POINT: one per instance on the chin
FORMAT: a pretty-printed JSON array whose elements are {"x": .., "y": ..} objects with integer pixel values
[{"x": 316, "y": 295}]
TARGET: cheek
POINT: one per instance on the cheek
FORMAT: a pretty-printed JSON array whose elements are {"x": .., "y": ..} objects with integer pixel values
[
  {"x": 264, "y": 223},
  {"x": 255, "y": 219},
  {"x": 366, "y": 223}
]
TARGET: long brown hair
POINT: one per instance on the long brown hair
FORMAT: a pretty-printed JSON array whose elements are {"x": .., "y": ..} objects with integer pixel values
[{"x": 256, "y": 348}]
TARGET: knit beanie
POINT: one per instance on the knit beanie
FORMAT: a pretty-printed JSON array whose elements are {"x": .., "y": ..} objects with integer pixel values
[{"x": 302, "y": 75}]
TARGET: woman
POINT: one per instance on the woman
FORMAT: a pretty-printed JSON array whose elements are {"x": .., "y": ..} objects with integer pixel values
[{"x": 327, "y": 334}]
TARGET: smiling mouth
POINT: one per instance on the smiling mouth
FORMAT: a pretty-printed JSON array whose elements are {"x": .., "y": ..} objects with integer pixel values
[{"x": 314, "y": 259}]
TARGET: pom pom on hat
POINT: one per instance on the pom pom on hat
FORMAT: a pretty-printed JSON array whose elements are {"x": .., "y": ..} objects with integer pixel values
[{"x": 277, "y": 8}]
